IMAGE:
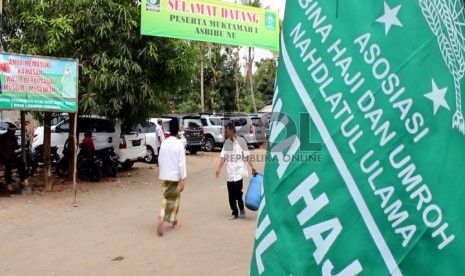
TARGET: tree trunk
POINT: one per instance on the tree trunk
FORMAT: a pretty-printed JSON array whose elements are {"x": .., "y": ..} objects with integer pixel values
[
  {"x": 212, "y": 98},
  {"x": 238, "y": 100},
  {"x": 215, "y": 81},
  {"x": 236, "y": 78},
  {"x": 202, "y": 93},
  {"x": 212, "y": 93},
  {"x": 250, "y": 65},
  {"x": 252, "y": 93},
  {"x": 47, "y": 161}
]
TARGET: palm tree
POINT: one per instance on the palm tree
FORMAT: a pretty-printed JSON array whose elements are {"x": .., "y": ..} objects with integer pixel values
[
  {"x": 233, "y": 56},
  {"x": 251, "y": 55}
]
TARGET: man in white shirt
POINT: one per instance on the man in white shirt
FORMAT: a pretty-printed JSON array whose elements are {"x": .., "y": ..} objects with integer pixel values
[
  {"x": 159, "y": 135},
  {"x": 234, "y": 152},
  {"x": 172, "y": 162}
]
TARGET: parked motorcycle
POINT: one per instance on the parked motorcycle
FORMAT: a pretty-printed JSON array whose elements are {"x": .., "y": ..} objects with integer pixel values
[
  {"x": 39, "y": 155},
  {"x": 90, "y": 167},
  {"x": 31, "y": 164},
  {"x": 110, "y": 161}
]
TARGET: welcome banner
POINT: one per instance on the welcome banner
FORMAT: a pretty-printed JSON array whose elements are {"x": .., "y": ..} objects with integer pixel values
[
  {"x": 378, "y": 86},
  {"x": 38, "y": 83},
  {"x": 211, "y": 21}
]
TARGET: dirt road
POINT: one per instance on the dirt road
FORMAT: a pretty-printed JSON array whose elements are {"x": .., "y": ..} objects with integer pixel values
[{"x": 112, "y": 231}]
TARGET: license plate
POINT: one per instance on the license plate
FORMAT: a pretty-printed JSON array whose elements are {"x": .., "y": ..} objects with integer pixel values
[{"x": 136, "y": 143}]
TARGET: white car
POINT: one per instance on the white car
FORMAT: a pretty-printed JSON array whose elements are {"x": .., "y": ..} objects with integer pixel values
[
  {"x": 129, "y": 143},
  {"x": 152, "y": 141},
  {"x": 39, "y": 131},
  {"x": 132, "y": 146}
]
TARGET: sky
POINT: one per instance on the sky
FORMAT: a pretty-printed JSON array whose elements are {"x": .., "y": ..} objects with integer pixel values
[{"x": 277, "y": 5}]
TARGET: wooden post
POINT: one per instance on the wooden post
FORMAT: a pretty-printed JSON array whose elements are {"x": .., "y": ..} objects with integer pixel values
[
  {"x": 23, "y": 135},
  {"x": 73, "y": 142},
  {"x": 47, "y": 152}
]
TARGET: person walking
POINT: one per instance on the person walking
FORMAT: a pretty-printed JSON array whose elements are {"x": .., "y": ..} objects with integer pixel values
[
  {"x": 235, "y": 153},
  {"x": 159, "y": 136},
  {"x": 172, "y": 162}
]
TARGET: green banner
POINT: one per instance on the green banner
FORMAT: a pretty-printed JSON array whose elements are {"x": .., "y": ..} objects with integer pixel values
[
  {"x": 38, "y": 83},
  {"x": 211, "y": 21},
  {"x": 374, "y": 89}
]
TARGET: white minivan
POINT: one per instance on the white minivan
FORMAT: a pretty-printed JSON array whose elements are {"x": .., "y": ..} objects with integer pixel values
[
  {"x": 152, "y": 141},
  {"x": 128, "y": 143}
]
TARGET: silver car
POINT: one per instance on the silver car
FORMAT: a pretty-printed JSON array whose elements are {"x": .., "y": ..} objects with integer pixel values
[
  {"x": 214, "y": 130},
  {"x": 251, "y": 128},
  {"x": 259, "y": 131}
]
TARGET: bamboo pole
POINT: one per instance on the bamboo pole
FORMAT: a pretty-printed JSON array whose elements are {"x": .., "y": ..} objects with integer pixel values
[
  {"x": 47, "y": 153},
  {"x": 73, "y": 144}
]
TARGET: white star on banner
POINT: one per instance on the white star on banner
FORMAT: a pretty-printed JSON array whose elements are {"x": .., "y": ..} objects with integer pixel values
[
  {"x": 389, "y": 18},
  {"x": 438, "y": 97}
]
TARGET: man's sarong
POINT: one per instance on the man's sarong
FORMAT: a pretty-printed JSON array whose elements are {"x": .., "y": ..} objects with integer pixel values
[{"x": 171, "y": 199}]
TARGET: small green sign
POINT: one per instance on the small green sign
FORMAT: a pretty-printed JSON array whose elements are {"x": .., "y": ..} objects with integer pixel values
[
  {"x": 38, "y": 83},
  {"x": 270, "y": 21}
]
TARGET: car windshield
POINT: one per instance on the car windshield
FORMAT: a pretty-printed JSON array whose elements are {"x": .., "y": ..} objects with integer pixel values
[
  {"x": 132, "y": 129},
  {"x": 257, "y": 121},
  {"x": 192, "y": 123},
  {"x": 58, "y": 119},
  {"x": 149, "y": 127},
  {"x": 166, "y": 126},
  {"x": 215, "y": 121}
]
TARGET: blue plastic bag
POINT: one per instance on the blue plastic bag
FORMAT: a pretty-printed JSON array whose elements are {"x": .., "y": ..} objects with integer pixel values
[{"x": 253, "y": 195}]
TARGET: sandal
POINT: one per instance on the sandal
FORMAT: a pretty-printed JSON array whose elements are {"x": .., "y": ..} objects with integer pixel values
[{"x": 176, "y": 225}]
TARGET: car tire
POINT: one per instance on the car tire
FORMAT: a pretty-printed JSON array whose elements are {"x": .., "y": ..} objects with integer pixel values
[
  {"x": 193, "y": 151},
  {"x": 127, "y": 165},
  {"x": 95, "y": 174},
  {"x": 150, "y": 158},
  {"x": 209, "y": 144},
  {"x": 112, "y": 171},
  {"x": 63, "y": 172}
]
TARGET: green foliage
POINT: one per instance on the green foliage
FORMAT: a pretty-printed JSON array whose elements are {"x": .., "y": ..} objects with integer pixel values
[
  {"x": 264, "y": 78},
  {"x": 122, "y": 74},
  {"x": 253, "y": 3}
]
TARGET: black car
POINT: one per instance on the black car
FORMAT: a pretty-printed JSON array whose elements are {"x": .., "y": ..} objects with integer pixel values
[{"x": 191, "y": 127}]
